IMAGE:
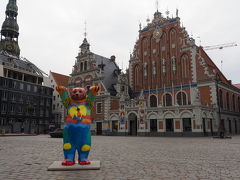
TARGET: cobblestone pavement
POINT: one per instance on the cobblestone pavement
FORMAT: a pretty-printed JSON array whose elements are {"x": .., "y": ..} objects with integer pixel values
[{"x": 122, "y": 158}]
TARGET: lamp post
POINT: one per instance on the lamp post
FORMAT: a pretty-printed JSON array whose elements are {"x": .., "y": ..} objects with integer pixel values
[{"x": 220, "y": 125}]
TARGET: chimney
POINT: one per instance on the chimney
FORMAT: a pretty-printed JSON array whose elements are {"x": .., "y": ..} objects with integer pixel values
[{"x": 112, "y": 58}]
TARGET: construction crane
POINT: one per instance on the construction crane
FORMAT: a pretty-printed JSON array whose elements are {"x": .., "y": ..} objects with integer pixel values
[{"x": 220, "y": 46}]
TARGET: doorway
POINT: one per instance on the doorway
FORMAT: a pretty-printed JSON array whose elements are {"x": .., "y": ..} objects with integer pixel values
[
  {"x": 169, "y": 125},
  {"x": 230, "y": 126},
  {"x": 187, "y": 124},
  {"x": 204, "y": 127},
  {"x": 132, "y": 124},
  {"x": 99, "y": 128},
  {"x": 153, "y": 125}
]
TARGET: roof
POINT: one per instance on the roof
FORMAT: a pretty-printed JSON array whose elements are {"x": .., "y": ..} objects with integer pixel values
[
  {"x": 110, "y": 72},
  {"x": 60, "y": 79},
  {"x": 237, "y": 85},
  {"x": 19, "y": 63}
]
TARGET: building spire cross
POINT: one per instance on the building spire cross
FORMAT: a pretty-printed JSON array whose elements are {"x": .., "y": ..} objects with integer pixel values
[{"x": 85, "y": 29}]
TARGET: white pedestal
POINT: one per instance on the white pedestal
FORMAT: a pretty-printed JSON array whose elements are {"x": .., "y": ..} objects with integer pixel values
[{"x": 57, "y": 166}]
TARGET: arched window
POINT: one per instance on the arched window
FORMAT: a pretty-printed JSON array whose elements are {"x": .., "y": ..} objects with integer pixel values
[
  {"x": 227, "y": 98},
  {"x": 220, "y": 98},
  {"x": 181, "y": 98},
  {"x": 167, "y": 100},
  {"x": 137, "y": 79},
  {"x": 185, "y": 66},
  {"x": 233, "y": 102},
  {"x": 153, "y": 101}
]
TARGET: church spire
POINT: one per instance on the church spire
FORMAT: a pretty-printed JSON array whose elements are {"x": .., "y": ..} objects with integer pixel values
[
  {"x": 85, "y": 46},
  {"x": 10, "y": 30}
]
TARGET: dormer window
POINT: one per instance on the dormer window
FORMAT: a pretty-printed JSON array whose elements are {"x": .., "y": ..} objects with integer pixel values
[
  {"x": 85, "y": 66},
  {"x": 122, "y": 88},
  {"x": 81, "y": 66},
  {"x": 101, "y": 66}
]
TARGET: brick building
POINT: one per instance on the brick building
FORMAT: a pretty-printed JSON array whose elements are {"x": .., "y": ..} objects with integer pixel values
[{"x": 172, "y": 87}]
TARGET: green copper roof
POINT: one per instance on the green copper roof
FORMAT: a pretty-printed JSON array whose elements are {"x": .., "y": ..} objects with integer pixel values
[
  {"x": 10, "y": 25},
  {"x": 10, "y": 30},
  {"x": 12, "y": 9}
]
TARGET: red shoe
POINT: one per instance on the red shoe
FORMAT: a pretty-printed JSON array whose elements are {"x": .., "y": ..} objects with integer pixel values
[
  {"x": 67, "y": 163},
  {"x": 84, "y": 162}
]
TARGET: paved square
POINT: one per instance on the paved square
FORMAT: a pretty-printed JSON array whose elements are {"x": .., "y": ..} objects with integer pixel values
[{"x": 122, "y": 158}]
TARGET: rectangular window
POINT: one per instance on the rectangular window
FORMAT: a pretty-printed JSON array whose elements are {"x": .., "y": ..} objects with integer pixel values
[
  {"x": 13, "y": 97},
  {"x": 5, "y": 83},
  {"x": 14, "y": 84},
  {"x": 41, "y": 112},
  {"x": 4, "y": 95},
  {"x": 28, "y": 87},
  {"x": 47, "y": 113},
  {"x": 12, "y": 108},
  {"x": 99, "y": 108},
  {"x": 54, "y": 98},
  {"x": 35, "y": 89},
  {"x": 21, "y": 86},
  {"x": 54, "y": 107},
  {"x": 42, "y": 101},
  {"x": 20, "y": 98},
  {"x": 3, "y": 108}
]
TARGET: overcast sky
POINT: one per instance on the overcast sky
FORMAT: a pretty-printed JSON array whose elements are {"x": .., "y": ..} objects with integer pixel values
[{"x": 52, "y": 30}]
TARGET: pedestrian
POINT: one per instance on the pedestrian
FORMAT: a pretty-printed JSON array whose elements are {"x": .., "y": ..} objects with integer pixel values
[
  {"x": 22, "y": 129},
  {"x": 221, "y": 131}
]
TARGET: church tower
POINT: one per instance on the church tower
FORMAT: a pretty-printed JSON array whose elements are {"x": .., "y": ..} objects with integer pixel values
[{"x": 10, "y": 30}]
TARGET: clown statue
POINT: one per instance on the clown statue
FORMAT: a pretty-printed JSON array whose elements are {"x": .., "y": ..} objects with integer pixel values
[{"x": 76, "y": 132}]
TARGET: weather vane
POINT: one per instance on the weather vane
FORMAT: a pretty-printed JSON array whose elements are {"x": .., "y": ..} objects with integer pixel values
[
  {"x": 85, "y": 29},
  {"x": 157, "y": 5},
  {"x": 167, "y": 12}
]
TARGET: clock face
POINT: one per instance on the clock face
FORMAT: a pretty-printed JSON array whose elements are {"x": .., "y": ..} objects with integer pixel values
[{"x": 157, "y": 34}]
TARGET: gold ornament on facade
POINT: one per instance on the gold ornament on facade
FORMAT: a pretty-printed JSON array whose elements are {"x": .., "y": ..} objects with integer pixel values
[{"x": 157, "y": 34}]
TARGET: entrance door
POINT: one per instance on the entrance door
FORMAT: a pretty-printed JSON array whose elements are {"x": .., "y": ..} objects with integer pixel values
[
  {"x": 99, "y": 128},
  {"x": 211, "y": 126},
  {"x": 169, "y": 125},
  {"x": 236, "y": 129},
  {"x": 153, "y": 125},
  {"x": 230, "y": 126},
  {"x": 187, "y": 125},
  {"x": 204, "y": 127},
  {"x": 132, "y": 124},
  {"x": 114, "y": 126}
]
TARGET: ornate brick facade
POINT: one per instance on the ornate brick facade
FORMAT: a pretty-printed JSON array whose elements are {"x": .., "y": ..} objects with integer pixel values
[{"x": 172, "y": 87}]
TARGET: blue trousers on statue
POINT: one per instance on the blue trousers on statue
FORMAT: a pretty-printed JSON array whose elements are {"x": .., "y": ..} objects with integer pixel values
[{"x": 76, "y": 137}]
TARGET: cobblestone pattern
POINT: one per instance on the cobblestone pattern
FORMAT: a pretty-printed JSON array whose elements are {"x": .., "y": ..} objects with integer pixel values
[{"x": 122, "y": 158}]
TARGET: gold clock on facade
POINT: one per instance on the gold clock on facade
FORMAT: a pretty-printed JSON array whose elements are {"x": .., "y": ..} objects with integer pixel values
[{"x": 157, "y": 34}]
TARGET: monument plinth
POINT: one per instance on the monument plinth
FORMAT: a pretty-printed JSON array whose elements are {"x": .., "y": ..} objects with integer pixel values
[{"x": 57, "y": 166}]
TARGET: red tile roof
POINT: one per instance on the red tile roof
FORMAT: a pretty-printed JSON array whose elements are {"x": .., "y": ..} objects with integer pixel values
[
  {"x": 237, "y": 85},
  {"x": 60, "y": 79}
]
